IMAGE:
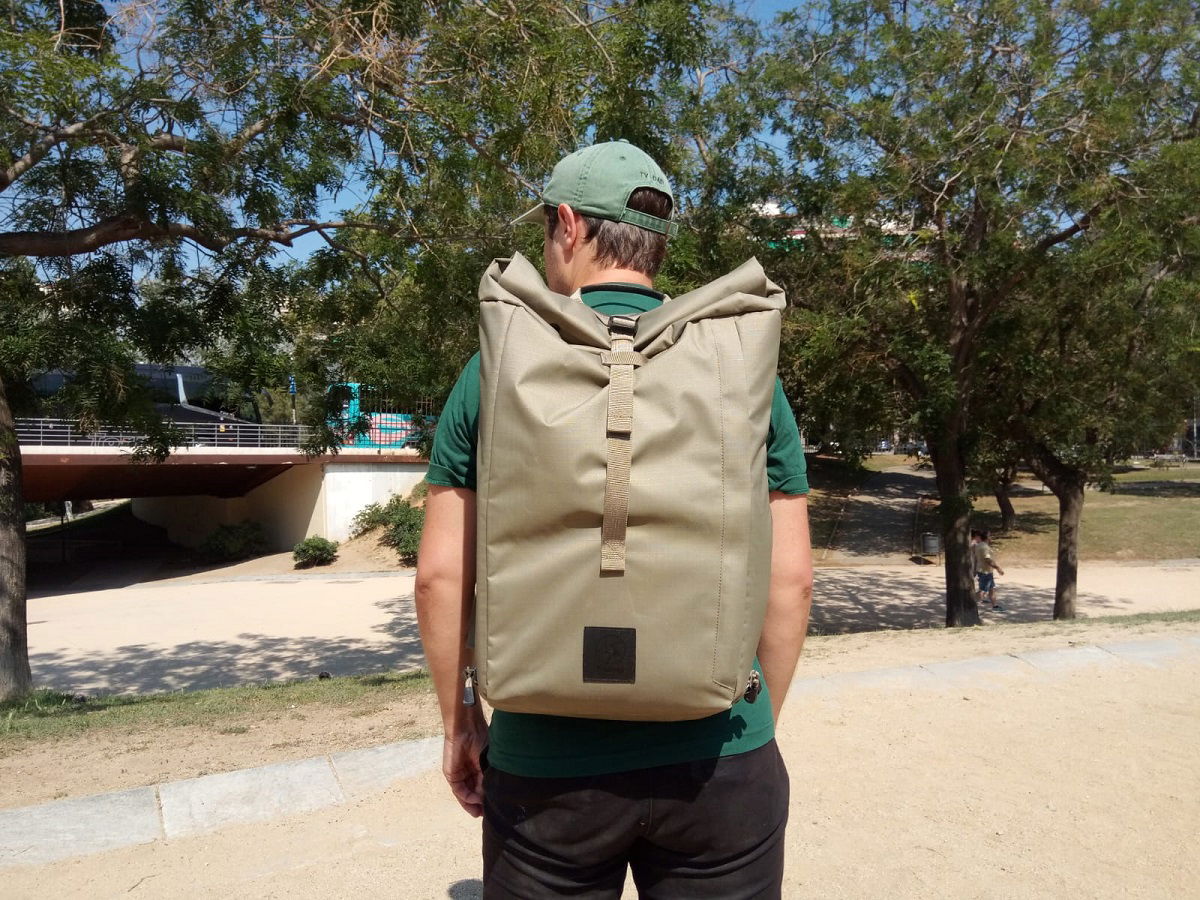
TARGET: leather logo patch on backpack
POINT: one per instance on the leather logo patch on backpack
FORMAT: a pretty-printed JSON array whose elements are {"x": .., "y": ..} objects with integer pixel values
[{"x": 610, "y": 655}]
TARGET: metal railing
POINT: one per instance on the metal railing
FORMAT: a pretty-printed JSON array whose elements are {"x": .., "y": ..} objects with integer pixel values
[{"x": 67, "y": 433}]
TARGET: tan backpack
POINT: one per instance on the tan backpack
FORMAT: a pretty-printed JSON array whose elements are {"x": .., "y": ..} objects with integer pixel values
[{"x": 624, "y": 531}]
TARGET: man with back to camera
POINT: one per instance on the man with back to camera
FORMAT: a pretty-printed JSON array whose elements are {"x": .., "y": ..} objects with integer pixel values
[{"x": 696, "y": 808}]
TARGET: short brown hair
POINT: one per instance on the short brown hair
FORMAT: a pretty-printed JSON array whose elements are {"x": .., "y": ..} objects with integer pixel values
[{"x": 622, "y": 244}]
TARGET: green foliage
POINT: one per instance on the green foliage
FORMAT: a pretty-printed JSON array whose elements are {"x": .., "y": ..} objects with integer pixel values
[
  {"x": 977, "y": 184},
  {"x": 228, "y": 543},
  {"x": 959, "y": 145},
  {"x": 314, "y": 551},
  {"x": 152, "y": 167},
  {"x": 41, "y": 510},
  {"x": 404, "y": 530},
  {"x": 371, "y": 517},
  {"x": 402, "y": 523}
]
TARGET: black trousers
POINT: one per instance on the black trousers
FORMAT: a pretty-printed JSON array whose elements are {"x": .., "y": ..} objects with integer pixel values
[{"x": 707, "y": 829}]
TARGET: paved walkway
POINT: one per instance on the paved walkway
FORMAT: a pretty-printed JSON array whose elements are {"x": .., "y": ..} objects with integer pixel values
[
  {"x": 257, "y": 832},
  {"x": 877, "y": 522}
]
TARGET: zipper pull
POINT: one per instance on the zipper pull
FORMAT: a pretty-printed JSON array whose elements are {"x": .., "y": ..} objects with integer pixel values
[
  {"x": 753, "y": 686},
  {"x": 469, "y": 686}
]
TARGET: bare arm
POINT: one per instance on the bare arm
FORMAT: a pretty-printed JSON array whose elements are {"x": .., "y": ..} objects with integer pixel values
[
  {"x": 992, "y": 560},
  {"x": 790, "y": 596},
  {"x": 445, "y": 594}
]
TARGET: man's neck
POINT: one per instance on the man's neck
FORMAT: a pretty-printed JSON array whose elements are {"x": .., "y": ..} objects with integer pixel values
[{"x": 610, "y": 275}]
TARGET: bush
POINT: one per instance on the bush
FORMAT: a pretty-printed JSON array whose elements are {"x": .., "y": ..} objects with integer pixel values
[
  {"x": 406, "y": 522},
  {"x": 228, "y": 543},
  {"x": 369, "y": 517},
  {"x": 41, "y": 511},
  {"x": 402, "y": 523},
  {"x": 314, "y": 551}
]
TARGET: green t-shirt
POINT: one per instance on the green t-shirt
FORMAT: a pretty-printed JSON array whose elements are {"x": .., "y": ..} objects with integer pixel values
[{"x": 559, "y": 746}]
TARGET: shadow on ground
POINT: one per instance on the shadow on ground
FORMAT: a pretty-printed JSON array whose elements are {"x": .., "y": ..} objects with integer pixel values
[
  {"x": 878, "y": 519},
  {"x": 250, "y": 659},
  {"x": 866, "y": 599}
]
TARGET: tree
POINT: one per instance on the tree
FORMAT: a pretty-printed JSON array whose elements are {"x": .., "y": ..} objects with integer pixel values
[
  {"x": 154, "y": 160},
  {"x": 1108, "y": 349},
  {"x": 88, "y": 325},
  {"x": 969, "y": 145},
  {"x": 401, "y": 315},
  {"x": 127, "y": 139},
  {"x": 993, "y": 470}
]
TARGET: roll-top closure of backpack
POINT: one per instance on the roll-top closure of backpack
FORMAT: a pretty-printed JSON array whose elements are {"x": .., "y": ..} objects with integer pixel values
[
  {"x": 517, "y": 282},
  {"x": 745, "y": 289}
]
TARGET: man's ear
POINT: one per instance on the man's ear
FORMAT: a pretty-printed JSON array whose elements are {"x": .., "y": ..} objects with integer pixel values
[{"x": 571, "y": 224}]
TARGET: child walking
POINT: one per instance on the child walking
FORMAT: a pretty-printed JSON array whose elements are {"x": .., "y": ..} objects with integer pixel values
[{"x": 985, "y": 563}]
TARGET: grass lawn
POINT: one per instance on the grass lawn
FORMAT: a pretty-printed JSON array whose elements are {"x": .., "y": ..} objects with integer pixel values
[
  {"x": 47, "y": 715},
  {"x": 1189, "y": 471},
  {"x": 1158, "y": 522},
  {"x": 90, "y": 519},
  {"x": 877, "y": 462}
]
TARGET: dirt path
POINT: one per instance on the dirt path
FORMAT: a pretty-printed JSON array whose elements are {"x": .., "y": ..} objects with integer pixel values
[
  {"x": 876, "y": 526},
  {"x": 1081, "y": 783},
  {"x": 114, "y": 760},
  {"x": 234, "y": 626}
]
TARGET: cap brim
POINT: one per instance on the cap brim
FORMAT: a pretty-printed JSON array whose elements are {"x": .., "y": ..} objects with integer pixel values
[{"x": 536, "y": 216}]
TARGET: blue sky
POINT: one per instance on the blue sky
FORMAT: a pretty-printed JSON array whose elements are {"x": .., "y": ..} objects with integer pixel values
[{"x": 764, "y": 10}]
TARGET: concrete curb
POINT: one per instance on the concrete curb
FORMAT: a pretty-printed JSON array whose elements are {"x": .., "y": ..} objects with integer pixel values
[{"x": 80, "y": 826}]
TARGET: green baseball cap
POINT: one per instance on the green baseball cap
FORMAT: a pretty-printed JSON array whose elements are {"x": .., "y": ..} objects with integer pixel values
[{"x": 598, "y": 180}]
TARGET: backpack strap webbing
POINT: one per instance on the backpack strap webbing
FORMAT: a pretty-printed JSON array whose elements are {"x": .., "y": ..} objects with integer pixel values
[{"x": 621, "y": 360}]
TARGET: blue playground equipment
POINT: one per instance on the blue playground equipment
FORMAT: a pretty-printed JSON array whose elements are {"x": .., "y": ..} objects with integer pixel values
[{"x": 386, "y": 429}]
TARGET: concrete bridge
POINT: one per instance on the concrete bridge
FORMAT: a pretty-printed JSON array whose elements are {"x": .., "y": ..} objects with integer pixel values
[{"x": 222, "y": 473}]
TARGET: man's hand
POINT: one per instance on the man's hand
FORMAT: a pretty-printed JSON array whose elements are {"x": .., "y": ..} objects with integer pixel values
[{"x": 461, "y": 751}]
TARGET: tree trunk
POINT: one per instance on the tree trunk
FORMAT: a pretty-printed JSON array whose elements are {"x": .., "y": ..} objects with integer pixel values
[
  {"x": 1008, "y": 515},
  {"x": 1070, "y": 509},
  {"x": 955, "y": 509},
  {"x": 15, "y": 678},
  {"x": 1067, "y": 483}
]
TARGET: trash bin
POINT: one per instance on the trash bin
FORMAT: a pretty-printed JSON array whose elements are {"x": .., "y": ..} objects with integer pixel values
[{"x": 931, "y": 544}]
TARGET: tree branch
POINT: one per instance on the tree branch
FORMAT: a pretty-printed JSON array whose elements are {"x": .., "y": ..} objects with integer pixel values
[
  {"x": 39, "y": 150},
  {"x": 991, "y": 301},
  {"x": 130, "y": 227},
  {"x": 129, "y": 152}
]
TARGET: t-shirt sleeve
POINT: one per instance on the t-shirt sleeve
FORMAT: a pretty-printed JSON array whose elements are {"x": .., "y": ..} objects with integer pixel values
[
  {"x": 452, "y": 460},
  {"x": 786, "y": 469}
]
